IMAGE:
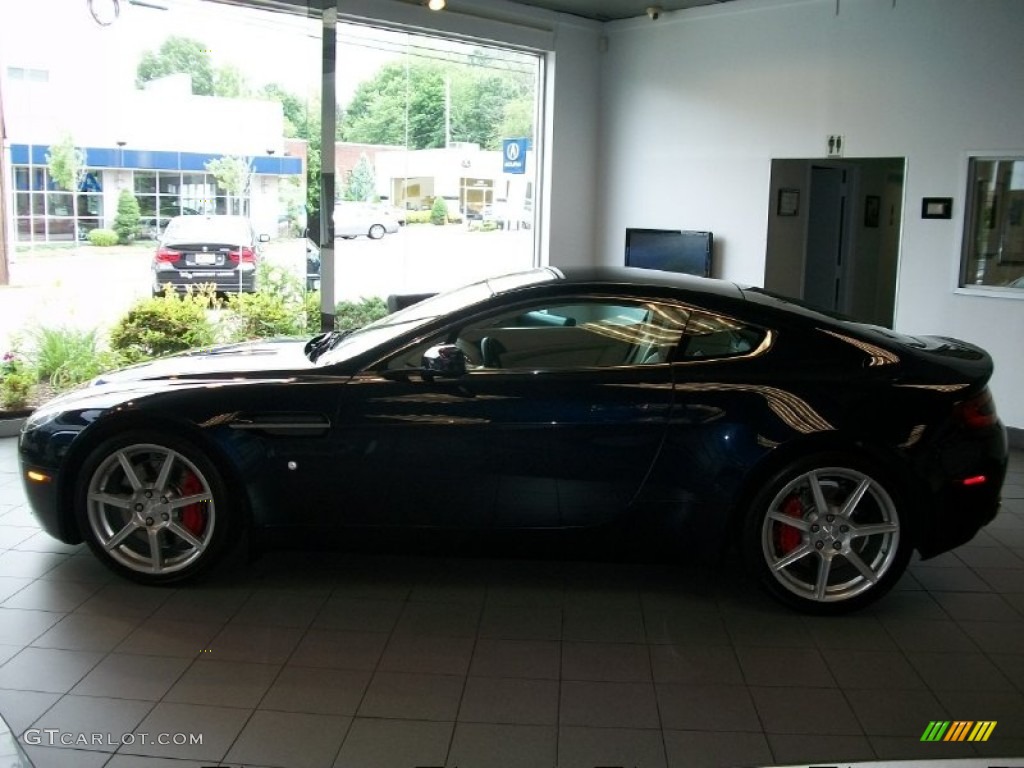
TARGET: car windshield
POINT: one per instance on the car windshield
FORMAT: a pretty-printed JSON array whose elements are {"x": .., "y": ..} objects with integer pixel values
[
  {"x": 419, "y": 314},
  {"x": 213, "y": 229}
]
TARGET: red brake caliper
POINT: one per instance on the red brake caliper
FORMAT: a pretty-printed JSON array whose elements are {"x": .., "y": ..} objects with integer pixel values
[
  {"x": 192, "y": 516},
  {"x": 788, "y": 538}
]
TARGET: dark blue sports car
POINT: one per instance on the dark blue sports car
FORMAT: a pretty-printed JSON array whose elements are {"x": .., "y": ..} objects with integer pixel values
[{"x": 703, "y": 412}]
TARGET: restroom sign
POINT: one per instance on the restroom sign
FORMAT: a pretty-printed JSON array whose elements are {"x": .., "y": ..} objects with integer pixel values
[{"x": 514, "y": 155}]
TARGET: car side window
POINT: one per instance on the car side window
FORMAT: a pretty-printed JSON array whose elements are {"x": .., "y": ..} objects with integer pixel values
[
  {"x": 586, "y": 334},
  {"x": 711, "y": 335}
]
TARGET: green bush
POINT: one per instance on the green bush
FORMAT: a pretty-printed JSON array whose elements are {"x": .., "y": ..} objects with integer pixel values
[
  {"x": 68, "y": 356},
  {"x": 356, "y": 314},
  {"x": 439, "y": 212},
  {"x": 417, "y": 217},
  {"x": 104, "y": 238},
  {"x": 163, "y": 325},
  {"x": 16, "y": 381},
  {"x": 126, "y": 223}
]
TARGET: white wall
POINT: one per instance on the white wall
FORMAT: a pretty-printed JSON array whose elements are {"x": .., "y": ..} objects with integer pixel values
[{"x": 695, "y": 106}]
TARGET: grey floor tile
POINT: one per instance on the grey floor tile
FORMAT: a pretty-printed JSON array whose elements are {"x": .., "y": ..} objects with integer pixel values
[
  {"x": 706, "y": 708},
  {"x": 223, "y": 683},
  {"x": 162, "y": 637},
  {"x": 317, "y": 691},
  {"x": 42, "y": 595},
  {"x": 1006, "y": 708},
  {"x": 132, "y": 677},
  {"x": 85, "y": 632},
  {"x": 819, "y": 711},
  {"x": 208, "y": 731},
  {"x": 611, "y": 662},
  {"x": 976, "y": 607},
  {"x": 29, "y": 564},
  {"x": 586, "y": 747},
  {"x": 509, "y": 700},
  {"x": 432, "y": 655},
  {"x": 261, "y": 645},
  {"x": 928, "y": 635},
  {"x": 873, "y": 669},
  {"x": 339, "y": 649},
  {"x": 21, "y": 708},
  {"x": 608, "y": 705},
  {"x": 19, "y": 627},
  {"x": 47, "y": 670},
  {"x": 289, "y": 738},
  {"x": 959, "y": 672},
  {"x": 885, "y": 712},
  {"x": 517, "y": 621},
  {"x": 696, "y": 664},
  {"x": 10, "y": 586},
  {"x": 516, "y": 658},
  {"x": 475, "y": 745},
  {"x": 358, "y": 614},
  {"x": 688, "y": 749},
  {"x": 374, "y": 743},
  {"x": 439, "y": 619},
  {"x": 789, "y": 749},
  {"x": 604, "y": 625},
  {"x": 790, "y": 667},
  {"x": 279, "y": 608},
  {"x": 412, "y": 696},
  {"x": 51, "y": 757},
  {"x": 91, "y": 723},
  {"x": 683, "y": 627}
]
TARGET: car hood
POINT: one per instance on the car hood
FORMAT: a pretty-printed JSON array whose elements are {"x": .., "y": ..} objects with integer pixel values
[{"x": 253, "y": 359}]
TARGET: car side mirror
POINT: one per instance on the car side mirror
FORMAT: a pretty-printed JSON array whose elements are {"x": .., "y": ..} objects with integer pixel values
[{"x": 444, "y": 361}]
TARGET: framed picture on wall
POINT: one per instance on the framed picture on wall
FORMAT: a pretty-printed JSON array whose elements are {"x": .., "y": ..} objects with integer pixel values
[
  {"x": 872, "y": 206},
  {"x": 788, "y": 203}
]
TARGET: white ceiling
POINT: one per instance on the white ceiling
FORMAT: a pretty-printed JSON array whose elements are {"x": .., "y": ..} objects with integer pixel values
[{"x": 609, "y": 10}]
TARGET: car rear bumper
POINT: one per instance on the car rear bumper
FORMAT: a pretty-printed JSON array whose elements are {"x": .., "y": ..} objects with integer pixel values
[
  {"x": 226, "y": 281},
  {"x": 968, "y": 499}
]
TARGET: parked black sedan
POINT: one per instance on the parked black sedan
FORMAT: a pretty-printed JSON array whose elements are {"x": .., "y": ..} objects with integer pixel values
[
  {"x": 716, "y": 415},
  {"x": 222, "y": 251}
]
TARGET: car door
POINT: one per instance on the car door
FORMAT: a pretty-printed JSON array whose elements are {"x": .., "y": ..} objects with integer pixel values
[{"x": 556, "y": 421}]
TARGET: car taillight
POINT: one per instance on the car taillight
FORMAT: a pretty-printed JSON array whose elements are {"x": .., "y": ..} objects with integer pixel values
[
  {"x": 248, "y": 255},
  {"x": 978, "y": 411},
  {"x": 167, "y": 255}
]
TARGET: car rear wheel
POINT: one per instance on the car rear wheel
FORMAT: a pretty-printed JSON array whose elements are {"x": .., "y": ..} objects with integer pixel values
[
  {"x": 153, "y": 507},
  {"x": 827, "y": 535},
  {"x": 376, "y": 232}
]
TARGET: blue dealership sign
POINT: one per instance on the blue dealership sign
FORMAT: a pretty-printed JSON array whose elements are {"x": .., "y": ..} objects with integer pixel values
[{"x": 513, "y": 153}]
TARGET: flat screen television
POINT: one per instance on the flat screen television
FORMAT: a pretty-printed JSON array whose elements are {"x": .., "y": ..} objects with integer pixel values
[{"x": 672, "y": 250}]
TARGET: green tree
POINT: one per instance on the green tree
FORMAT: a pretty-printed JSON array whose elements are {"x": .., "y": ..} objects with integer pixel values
[
  {"x": 361, "y": 183},
  {"x": 234, "y": 174},
  {"x": 126, "y": 223},
  {"x": 178, "y": 55},
  {"x": 66, "y": 164}
]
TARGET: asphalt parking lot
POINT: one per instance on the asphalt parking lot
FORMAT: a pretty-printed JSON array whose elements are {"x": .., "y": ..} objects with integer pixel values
[{"x": 89, "y": 287}]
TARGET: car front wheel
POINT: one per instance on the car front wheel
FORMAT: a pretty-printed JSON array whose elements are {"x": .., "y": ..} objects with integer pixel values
[
  {"x": 153, "y": 507},
  {"x": 827, "y": 536}
]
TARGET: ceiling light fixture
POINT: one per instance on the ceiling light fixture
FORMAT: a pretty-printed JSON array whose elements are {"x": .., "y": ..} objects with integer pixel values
[{"x": 436, "y": 5}]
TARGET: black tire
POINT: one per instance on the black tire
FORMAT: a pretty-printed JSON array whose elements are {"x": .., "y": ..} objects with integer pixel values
[
  {"x": 376, "y": 232},
  {"x": 832, "y": 562},
  {"x": 135, "y": 521}
]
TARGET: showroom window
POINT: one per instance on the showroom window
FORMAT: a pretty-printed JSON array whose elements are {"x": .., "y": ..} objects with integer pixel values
[{"x": 993, "y": 247}]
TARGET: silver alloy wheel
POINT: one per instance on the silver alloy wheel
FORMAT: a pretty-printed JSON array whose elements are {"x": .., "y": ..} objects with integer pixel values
[
  {"x": 145, "y": 504},
  {"x": 830, "y": 534}
]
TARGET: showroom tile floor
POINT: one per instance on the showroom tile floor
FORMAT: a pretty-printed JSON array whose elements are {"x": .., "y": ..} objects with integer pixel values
[{"x": 316, "y": 660}]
